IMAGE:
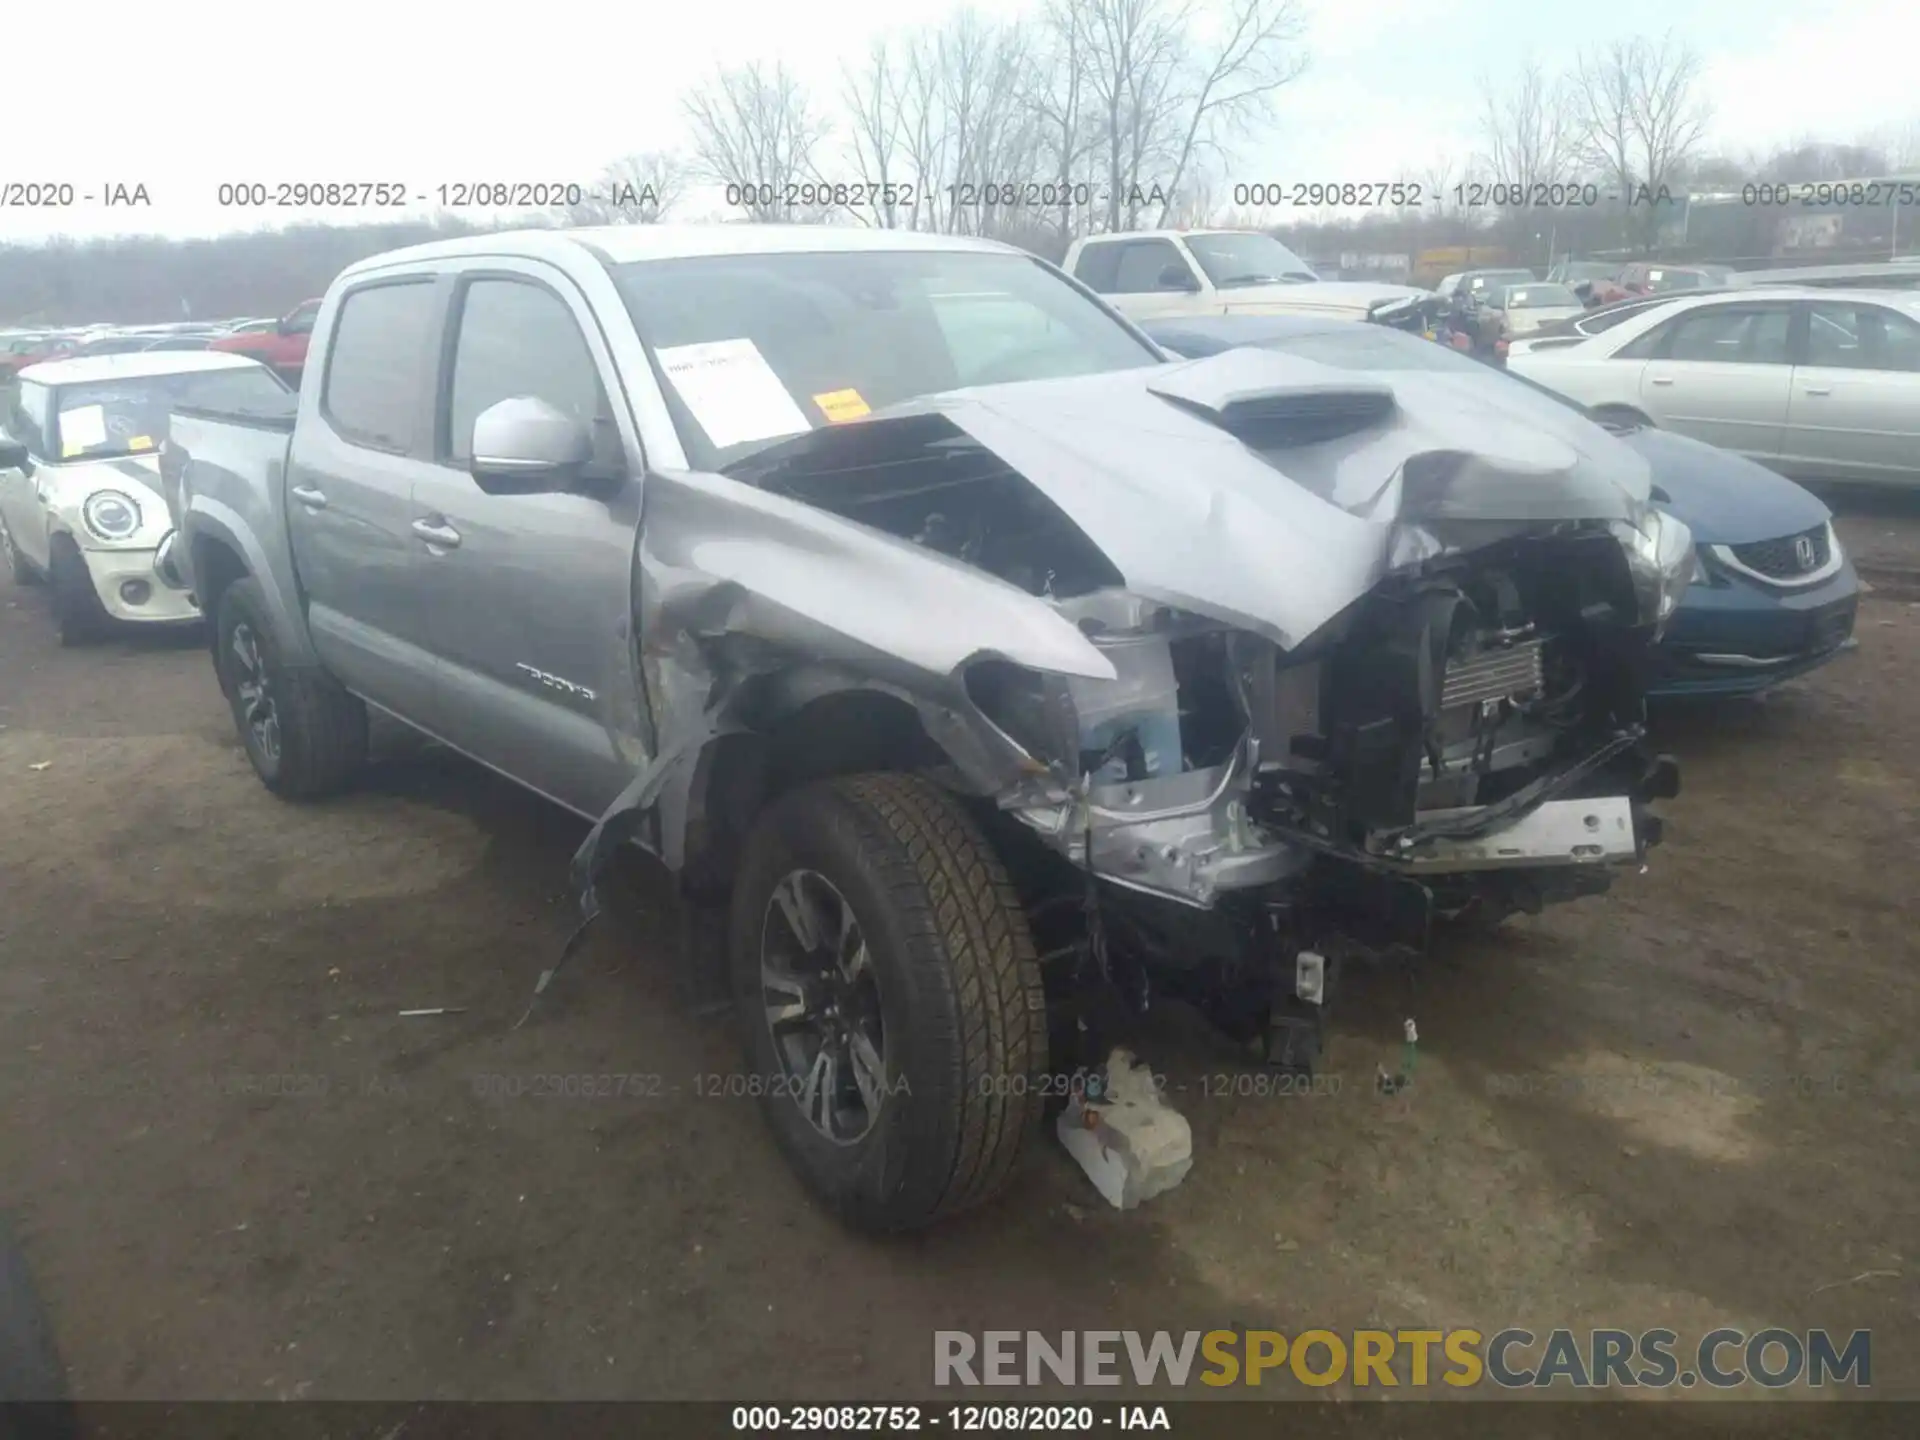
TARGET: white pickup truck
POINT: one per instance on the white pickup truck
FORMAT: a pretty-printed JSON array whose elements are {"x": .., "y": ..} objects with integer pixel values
[{"x": 1167, "y": 274}]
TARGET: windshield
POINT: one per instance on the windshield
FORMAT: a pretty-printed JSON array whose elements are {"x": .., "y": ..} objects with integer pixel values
[
  {"x": 108, "y": 419},
  {"x": 1540, "y": 297},
  {"x": 755, "y": 348},
  {"x": 1575, "y": 271},
  {"x": 1246, "y": 257}
]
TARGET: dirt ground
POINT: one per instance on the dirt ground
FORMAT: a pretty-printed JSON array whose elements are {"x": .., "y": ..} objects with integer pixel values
[{"x": 241, "y": 1174}]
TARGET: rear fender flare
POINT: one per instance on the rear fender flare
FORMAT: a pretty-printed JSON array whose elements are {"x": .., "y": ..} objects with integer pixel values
[{"x": 210, "y": 520}]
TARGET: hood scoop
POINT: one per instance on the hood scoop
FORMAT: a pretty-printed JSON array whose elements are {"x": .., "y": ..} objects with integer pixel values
[{"x": 1245, "y": 401}]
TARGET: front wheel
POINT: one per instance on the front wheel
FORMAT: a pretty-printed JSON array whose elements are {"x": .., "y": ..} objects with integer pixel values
[
  {"x": 890, "y": 998},
  {"x": 76, "y": 604},
  {"x": 306, "y": 736},
  {"x": 17, "y": 565}
]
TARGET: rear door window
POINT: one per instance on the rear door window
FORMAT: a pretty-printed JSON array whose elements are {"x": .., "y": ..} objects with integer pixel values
[
  {"x": 372, "y": 390},
  {"x": 1862, "y": 337},
  {"x": 1722, "y": 334}
]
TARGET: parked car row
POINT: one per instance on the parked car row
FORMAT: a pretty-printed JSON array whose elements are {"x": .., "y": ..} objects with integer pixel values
[
  {"x": 281, "y": 343},
  {"x": 869, "y": 576},
  {"x": 1820, "y": 384}
]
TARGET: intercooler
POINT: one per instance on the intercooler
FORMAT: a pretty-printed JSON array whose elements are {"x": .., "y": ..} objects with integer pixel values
[{"x": 1511, "y": 672}]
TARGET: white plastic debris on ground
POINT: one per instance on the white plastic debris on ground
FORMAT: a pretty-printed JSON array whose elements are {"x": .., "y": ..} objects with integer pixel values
[{"x": 1132, "y": 1144}]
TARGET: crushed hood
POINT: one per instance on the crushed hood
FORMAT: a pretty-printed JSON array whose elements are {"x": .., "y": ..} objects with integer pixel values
[{"x": 1192, "y": 480}]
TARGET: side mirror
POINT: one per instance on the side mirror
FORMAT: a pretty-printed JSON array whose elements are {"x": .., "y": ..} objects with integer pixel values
[
  {"x": 1178, "y": 277},
  {"x": 13, "y": 455},
  {"x": 524, "y": 446}
]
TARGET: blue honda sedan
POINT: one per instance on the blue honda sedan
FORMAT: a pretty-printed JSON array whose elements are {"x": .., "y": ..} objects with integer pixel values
[{"x": 1773, "y": 593}]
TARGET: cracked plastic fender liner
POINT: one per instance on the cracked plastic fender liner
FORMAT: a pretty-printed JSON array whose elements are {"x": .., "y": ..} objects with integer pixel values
[{"x": 621, "y": 823}]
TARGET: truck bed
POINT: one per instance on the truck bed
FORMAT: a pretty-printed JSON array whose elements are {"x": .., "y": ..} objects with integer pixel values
[
  {"x": 234, "y": 463},
  {"x": 273, "y": 417}
]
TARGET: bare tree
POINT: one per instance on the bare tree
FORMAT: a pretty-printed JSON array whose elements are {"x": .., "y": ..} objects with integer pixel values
[
  {"x": 1526, "y": 129},
  {"x": 636, "y": 189},
  {"x": 1526, "y": 136},
  {"x": 1245, "y": 55},
  {"x": 1441, "y": 194},
  {"x": 979, "y": 65},
  {"x": 758, "y": 129},
  {"x": 877, "y": 135},
  {"x": 1902, "y": 146},
  {"x": 1811, "y": 159},
  {"x": 1056, "y": 96},
  {"x": 1135, "y": 50},
  {"x": 1193, "y": 203},
  {"x": 1638, "y": 118},
  {"x": 968, "y": 132}
]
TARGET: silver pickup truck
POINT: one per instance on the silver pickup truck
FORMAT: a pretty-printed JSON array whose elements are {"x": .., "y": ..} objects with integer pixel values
[{"x": 965, "y": 653}]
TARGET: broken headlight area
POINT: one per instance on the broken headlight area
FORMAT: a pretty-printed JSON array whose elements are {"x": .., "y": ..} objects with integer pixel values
[
  {"x": 1661, "y": 559},
  {"x": 1464, "y": 738},
  {"x": 1445, "y": 706}
]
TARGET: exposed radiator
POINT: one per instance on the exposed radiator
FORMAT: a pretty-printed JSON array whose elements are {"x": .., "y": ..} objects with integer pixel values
[{"x": 1512, "y": 672}]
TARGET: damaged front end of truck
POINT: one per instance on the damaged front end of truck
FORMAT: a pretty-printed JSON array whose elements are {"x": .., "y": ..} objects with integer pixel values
[{"x": 1250, "y": 667}]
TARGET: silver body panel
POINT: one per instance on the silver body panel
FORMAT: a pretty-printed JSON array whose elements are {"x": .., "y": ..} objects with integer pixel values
[{"x": 575, "y": 642}]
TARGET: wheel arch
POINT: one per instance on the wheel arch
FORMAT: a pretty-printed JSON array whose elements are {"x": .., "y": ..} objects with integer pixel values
[
  {"x": 235, "y": 549},
  {"x": 810, "y": 737}
]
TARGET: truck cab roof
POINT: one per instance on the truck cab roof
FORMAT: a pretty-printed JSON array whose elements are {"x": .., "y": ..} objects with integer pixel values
[{"x": 623, "y": 244}]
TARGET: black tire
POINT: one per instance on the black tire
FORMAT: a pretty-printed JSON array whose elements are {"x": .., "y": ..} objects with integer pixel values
[
  {"x": 34, "y": 1403},
  {"x": 312, "y": 736},
  {"x": 76, "y": 604},
  {"x": 1623, "y": 414},
  {"x": 18, "y": 566},
  {"x": 1477, "y": 919},
  {"x": 959, "y": 997}
]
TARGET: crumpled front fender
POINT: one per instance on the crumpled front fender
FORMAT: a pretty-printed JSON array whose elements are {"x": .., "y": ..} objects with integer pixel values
[{"x": 721, "y": 559}]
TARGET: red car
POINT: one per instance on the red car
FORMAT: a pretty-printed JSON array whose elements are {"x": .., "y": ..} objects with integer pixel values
[
  {"x": 16, "y": 356},
  {"x": 283, "y": 348},
  {"x": 1653, "y": 278}
]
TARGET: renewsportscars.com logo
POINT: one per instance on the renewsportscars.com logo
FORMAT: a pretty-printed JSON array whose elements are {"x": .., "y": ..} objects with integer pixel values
[{"x": 1510, "y": 1359}]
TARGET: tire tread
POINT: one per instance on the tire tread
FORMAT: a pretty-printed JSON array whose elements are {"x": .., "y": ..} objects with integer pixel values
[
  {"x": 323, "y": 727},
  {"x": 948, "y": 883}
]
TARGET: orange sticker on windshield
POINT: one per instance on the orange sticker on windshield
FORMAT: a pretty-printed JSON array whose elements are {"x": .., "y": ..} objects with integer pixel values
[
  {"x": 842, "y": 405},
  {"x": 140, "y": 442}
]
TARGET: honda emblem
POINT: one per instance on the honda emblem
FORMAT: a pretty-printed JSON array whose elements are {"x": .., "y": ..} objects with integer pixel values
[{"x": 1803, "y": 551}]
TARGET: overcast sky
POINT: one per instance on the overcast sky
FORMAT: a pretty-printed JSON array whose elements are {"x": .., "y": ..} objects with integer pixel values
[{"x": 182, "y": 96}]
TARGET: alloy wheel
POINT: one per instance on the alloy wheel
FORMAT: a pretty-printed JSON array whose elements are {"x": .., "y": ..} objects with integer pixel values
[
  {"x": 253, "y": 690},
  {"x": 822, "y": 1005}
]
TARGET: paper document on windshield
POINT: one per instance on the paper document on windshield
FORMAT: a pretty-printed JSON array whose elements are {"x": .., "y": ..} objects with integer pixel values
[
  {"x": 82, "y": 429},
  {"x": 732, "y": 392}
]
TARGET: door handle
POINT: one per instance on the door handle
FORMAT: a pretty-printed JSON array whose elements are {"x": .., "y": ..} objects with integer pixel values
[
  {"x": 1819, "y": 389},
  {"x": 444, "y": 536},
  {"x": 311, "y": 498},
  {"x": 1660, "y": 380}
]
